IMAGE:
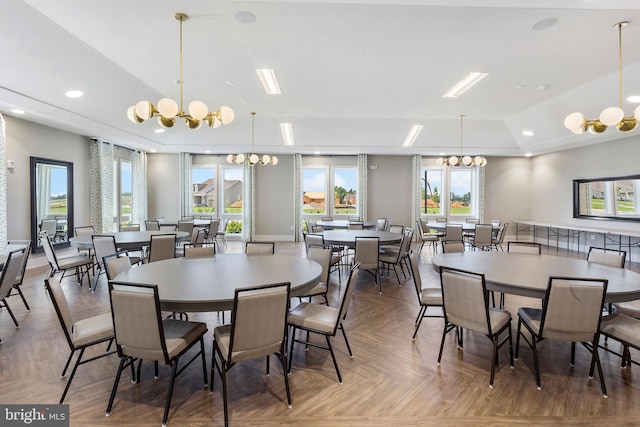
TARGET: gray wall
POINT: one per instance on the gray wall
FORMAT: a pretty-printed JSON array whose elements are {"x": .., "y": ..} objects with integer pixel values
[
  {"x": 389, "y": 189},
  {"x": 163, "y": 186}
]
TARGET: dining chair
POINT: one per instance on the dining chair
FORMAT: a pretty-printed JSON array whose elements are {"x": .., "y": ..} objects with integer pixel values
[
  {"x": 11, "y": 246},
  {"x": 624, "y": 329},
  {"x": 355, "y": 225},
  {"x": 326, "y": 218},
  {"x": 393, "y": 257},
  {"x": 396, "y": 228},
  {"x": 322, "y": 320},
  {"x": 441, "y": 220},
  {"x": 337, "y": 252},
  {"x": 142, "y": 334},
  {"x": 381, "y": 224},
  {"x": 453, "y": 232},
  {"x": 466, "y": 306},
  {"x": 427, "y": 296},
  {"x": 116, "y": 263},
  {"x": 571, "y": 311},
  {"x": 606, "y": 256},
  {"x": 211, "y": 230},
  {"x": 321, "y": 255},
  {"x": 8, "y": 278},
  {"x": 259, "y": 248},
  {"x": 353, "y": 219},
  {"x": 197, "y": 239},
  {"x": 105, "y": 245},
  {"x": 450, "y": 246},
  {"x": 499, "y": 235},
  {"x": 168, "y": 228},
  {"x": 467, "y": 236},
  {"x": 198, "y": 250},
  {"x": 258, "y": 328},
  {"x": 152, "y": 225},
  {"x": 481, "y": 238},
  {"x": 50, "y": 226},
  {"x": 222, "y": 231},
  {"x": 86, "y": 230},
  {"x": 79, "y": 333},
  {"x": 524, "y": 247},
  {"x": 425, "y": 236},
  {"x": 161, "y": 247},
  {"x": 130, "y": 227},
  {"x": 186, "y": 225},
  {"x": 79, "y": 264},
  {"x": 367, "y": 256}
]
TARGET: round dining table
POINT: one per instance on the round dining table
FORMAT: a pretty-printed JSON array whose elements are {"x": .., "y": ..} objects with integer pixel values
[
  {"x": 348, "y": 237},
  {"x": 125, "y": 239},
  {"x": 343, "y": 224},
  {"x": 466, "y": 226},
  {"x": 209, "y": 283},
  {"x": 528, "y": 274}
]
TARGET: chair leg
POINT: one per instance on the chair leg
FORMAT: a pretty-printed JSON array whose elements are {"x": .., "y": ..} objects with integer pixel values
[
  {"x": 333, "y": 357},
  {"x": 282, "y": 356},
  {"x": 24, "y": 300},
  {"x": 5, "y": 305},
  {"x": 421, "y": 314},
  {"x": 573, "y": 354},
  {"x": 518, "y": 338},
  {"x": 346, "y": 341},
  {"x": 446, "y": 329},
  {"x": 223, "y": 374},
  {"x": 115, "y": 385},
  {"x": 73, "y": 372},
  {"x": 535, "y": 362},
  {"x": 204, "y": 363},
  {"x": 174, "y": 370},
  {"x": 290, "y": 353},
  {"x": 494, "y": 360}
]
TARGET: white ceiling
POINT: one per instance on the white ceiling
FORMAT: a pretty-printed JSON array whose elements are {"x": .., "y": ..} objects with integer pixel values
[{"x": 355, "y": 75}]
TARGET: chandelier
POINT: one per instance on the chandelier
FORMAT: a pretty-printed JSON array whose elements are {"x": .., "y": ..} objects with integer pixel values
[
  {"x": 462, "y": 160},
  {"x": 167, "y": 109},
  {"x": 252, "y": 158},
  {"x": 612, "y": 116}
]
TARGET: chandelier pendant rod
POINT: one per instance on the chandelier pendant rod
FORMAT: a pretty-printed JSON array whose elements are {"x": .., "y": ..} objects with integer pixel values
[
  {"x": 181, "y": 17},
  {"x": 461, "y": 116},
  {"x": 620, "y": 25}
]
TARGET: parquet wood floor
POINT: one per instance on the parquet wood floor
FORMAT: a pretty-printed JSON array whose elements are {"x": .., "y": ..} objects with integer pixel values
[{"x": 391, "y": 380}]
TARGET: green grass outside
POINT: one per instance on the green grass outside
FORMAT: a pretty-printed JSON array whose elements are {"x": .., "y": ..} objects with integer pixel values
[{"x": 623, "y": 206}]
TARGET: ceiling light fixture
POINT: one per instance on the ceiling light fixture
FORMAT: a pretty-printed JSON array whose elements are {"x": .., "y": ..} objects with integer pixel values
[
  {"x": 287, "y": 133},
  {"x": 168, "y": 109},
  {"x": 462, "y": 160},
  {"x": 464, "y": 85},
  {"x": 612, "y": 116},
  {"x": 412, "y": 135},
  {"x": 252, "y": 159},
  {"x": 269, "y": 81}
]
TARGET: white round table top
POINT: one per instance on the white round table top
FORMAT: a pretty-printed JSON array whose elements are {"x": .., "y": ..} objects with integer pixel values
[
  {"x": 348, "y": 237},
  {"x": 337, "y": 223},
  {"x": 528, "y": 275},
  {"x": 209, "y": 284},
  {"x": 466, "y": 226},
  {"x": 124, "y": 238}
]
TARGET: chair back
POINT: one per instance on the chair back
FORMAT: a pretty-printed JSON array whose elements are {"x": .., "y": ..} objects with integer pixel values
[
  {"x": 453, "y": 232},
  {"x": 355, "y": 225},
  {"x": 222, "y": 230},
  {"x": 313, "y": 239},
  {"x": 61, "y": 306},
  {"x": 441, "y": 220},
  {"x": 185, "y": 225},
  {"x": 524, "y": 247},
  {"x": 367, "y": 252},
  {"x": 381, "y": 224},
  {"x": 199, "y": 251},
  {"x": 260, "y": 248},
  {"x": 482, "y": 235},
  {"x": 326, "y": 218},
  {"x": 316, "y": 229},
  {"x": 137, "y": 321},
  {"x": 496, "y": 222},
  {"x": 502, "y": 232},
  {"x": 162, "y": 246},
  {"x": 405, "y": 247},
  {"x": 13, "y": 245},
  {"x": 259, "y": 320},
  {"x": 572, "y": 308},
  {"x": 10, "y": 272},
  {"x": 47, "y": 246},
  {"x": 168, "y": 228},
  {"x": 415, "y": 273},
  {"x": 322, "y": 256},
  {"x": 85, "y": 230},
  {"x": 103, "y": 245},
  {"x": 205, "y": 217},
  {"x": 129, "y": 227},
  {"x": 472, "y": 220},
  {"x": 451, "y": 247},
  {"x": 465, "y": 299},
  {"x": 150, "y": 225},
  {"x": 605, "y": 256},
  {"x": 200, "y": 234},
  {"x": 116, "y": 263},
  {"x": 50, "y": 226},
  {"x": 345, "y": 302},
  {"x": 214, "y": 225},
  {"x": 396, "y": 228},
  {"x": 353, "y": 219}
]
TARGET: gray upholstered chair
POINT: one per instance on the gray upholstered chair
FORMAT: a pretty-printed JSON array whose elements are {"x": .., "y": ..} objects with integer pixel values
[
  {"x": 116, "y": 263},
  {"x": 427, "y": 296},
  {"x": 426, "y": 236},
  {"x": 152, "y": 225},
  {"x": 449, "y": 247},
  {"x": 197, "y": 239},
  {"x": 260, "y": 248},
  {"x": 381, "y": 224},
  {"x": 222, "y": 231},
  {"x": 13, "y": 245},
  {"x": 80, "y": 334},
  {"x": 129, "y": 227},
  {"x": 524, "y": 248},
  {"x": 322, "y": 256},
  {"x": 624, "y": 329},
  {"x": 466, "y": 305},
  {"x": 185, "y": 225},
  {"x": 103, "y": 246},
  {"x": 571, "y": 311},
  {"x": 198, "y": 250},
  {"x": 355, "y": 225},
  {"x": 142, "y": 334},
  {"x": 8, "y": 279},
  {"x": 79, "y": 264},
  {"x": 606, "y": 256},
  {"x": 161, "y": 247},
  {"x": 393, "y": 257},
  {"x": 499, "y": 235},
  {"x": 211, "y": 230},
  {"x": 323, "y": 320},
  {"x": 453, "y": 232},
  {"x": 367, "y": 255},
  {"x": 258, "y": 329},
  {"x": 336, "y": 252},
  {"x": 481, "y": 238}
]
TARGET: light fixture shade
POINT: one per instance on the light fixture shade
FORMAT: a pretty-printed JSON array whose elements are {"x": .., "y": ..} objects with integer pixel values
[
  {"x": 274, "y": 160},
  {"x": 168, "y": 108},
  {"x": 213, "y": 121},
  {"x": 453, "y": 161},
  {"x": 144, "y": 110},
  {"x": 131, "y": 114},
  {"x": 231, "y": 158},
  {"x": 484, "y": 162},
  {"x": 597, "y": 127},
  {"x": 166, "y": 122},
  {"x": 478, "y": 160},
  {"x": 575, "y": 122},
  {"x": 240, "y": 158},
  {"x": 467, "y": 160},
  {"x": 265, "y": 159},
  {"x": 253, "y": 159},
  {"x": 193, "y": 123},
  {"x": 226, "y": 114},
  {"x": 611, "y": 116},
  {"x": 198, "y": 110},
  {"x": 627, "y": 124},
  {"x": 439, "y": 161}
]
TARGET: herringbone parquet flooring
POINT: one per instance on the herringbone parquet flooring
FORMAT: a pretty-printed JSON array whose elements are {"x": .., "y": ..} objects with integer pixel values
[{"x": 391, "y": 380}]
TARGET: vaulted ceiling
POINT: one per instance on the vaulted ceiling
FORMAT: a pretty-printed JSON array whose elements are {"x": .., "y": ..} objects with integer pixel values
[{"x": 355, "y": 75}]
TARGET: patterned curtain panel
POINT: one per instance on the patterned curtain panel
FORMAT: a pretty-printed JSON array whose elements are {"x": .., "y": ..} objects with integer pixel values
[
  {"x": 101, "y": 185},
  {"x": 416, "y": 167},
  {"x": 186, "y": 189},
  {"x": 297, "y": 197},
  {"x": 248, "y": 213},
  {"x": 3, "y": 184},
  {"x": 363, "y": 169},
  {"x": 139, "y": 189},
  {"x": 481, "y": 194},
  {"x": 43, "y": 196}
]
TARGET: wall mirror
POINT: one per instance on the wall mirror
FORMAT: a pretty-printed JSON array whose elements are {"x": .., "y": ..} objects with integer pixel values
[
  {"x": 51, "y": 201},
  {"x": 607, "y": 198}
]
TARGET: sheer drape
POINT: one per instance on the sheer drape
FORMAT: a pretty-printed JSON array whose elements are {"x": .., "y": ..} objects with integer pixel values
[
  {"x": 297, "y": 197},
  {"x": 101, "y": 185},
  {"x": 361, "y": 197},
  {"x": 139, "y": 188},
  {"x": 481, "y": 195},
  {"x": 248, "y": 199},
  {"x": 416, "y": 175},
  {"x": 3, "y": 184},
  {"x": 186, "y": 188},
  {"x": 43, "y": 195}
]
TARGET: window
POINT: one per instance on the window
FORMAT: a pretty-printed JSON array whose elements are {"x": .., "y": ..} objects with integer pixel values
[
  {"x": 203, "y": 180},
  {"x": 314, "y": 191},
  {"x": 461, "y": 183},
  {"x": 232, "y": 193},
  {"x": 430, "y": 192},
  {"x": 122, "y": 185},
  {"x": 345, "y": 183},
  {"x": 449, "y": 192}
]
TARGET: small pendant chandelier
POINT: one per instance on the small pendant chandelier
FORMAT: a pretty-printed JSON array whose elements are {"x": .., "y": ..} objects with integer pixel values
[
  {"x": 456, "y": 161},
  {"x": 252, "y": 158}
]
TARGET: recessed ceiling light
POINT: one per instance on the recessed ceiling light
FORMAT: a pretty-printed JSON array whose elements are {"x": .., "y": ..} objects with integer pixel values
[
  {"x": 464, "y": 85},
  {"x": 269, "y": 81},
  {"x": 316, "y": 152},
  {"x": 159, "y": 130},
  {"x": 152, "y": 151},
  {"x": 245, "y": 17},
  {"x": 412, "y": 135},
  {"x": 230, "y": 82},
  {"x": 527, "y": 133},
  {"x": 207, "y": 151},
  {"x": 287, "y": 133},
  {"x": 528, "y": 154},
  {"x": 440, "y": 154},
  {"x": 17, "y": 111},
  {"x": 545, "y": 23},
  {"x": 634, "y": 98},
  {"x": 74, "y": 93}
]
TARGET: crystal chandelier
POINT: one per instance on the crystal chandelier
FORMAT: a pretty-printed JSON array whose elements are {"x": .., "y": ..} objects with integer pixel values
[
  {"x": 252, "y": 158},
  {"x": 167, "y": 109},
  {"x": 462, "y": 160},
  {"x": 612, "y": 116}
]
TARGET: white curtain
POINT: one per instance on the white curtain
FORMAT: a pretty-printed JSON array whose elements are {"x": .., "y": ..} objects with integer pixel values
[
  {"x": 481, "y": 195},
  {"x": 43, "y": 195},
  {"x": 361, "y": 197},
  {"x": 248, "y": 213},
  {"x": 3, "y": 184},
  {"x": 297, "y": 197},
  {"x": 139, "y": 189},
  {"x": 416, "y": 168},
  {"x": 101, "y": 185},
  {"x": 186, "y": 189}
]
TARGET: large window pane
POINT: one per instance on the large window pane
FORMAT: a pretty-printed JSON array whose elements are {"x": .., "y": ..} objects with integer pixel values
[
  {"x": 232, "y": 193},
  {"x": 126, "y": 183},
  {"x": 431, "y": 188},
  {"x": 204, "y": 184},
  {"x": 460, "y": 191},
  {"x": 345, "y": 183},
  {"x": 314, "y": 191}
]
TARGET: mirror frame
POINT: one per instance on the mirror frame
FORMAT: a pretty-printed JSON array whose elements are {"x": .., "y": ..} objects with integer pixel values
[
  {"x": 34, "y": 212},
  {"x": 608, "y": 217}
]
